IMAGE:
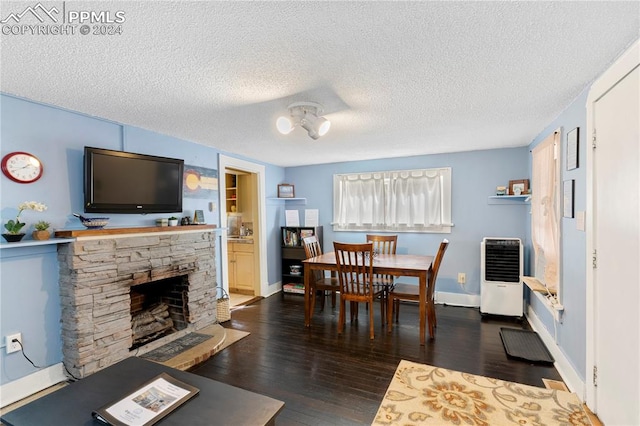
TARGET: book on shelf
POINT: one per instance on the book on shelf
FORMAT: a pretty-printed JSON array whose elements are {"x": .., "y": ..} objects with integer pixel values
[
  {"x": 148, "y": 404},
  {"x": 290, "y": 238},
  {"x": 293, "y": 288}
]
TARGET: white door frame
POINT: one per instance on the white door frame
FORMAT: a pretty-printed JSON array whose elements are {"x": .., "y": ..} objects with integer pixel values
[
  {"x": 224, "y": 163},
  {"x": 625, "y": 64}
]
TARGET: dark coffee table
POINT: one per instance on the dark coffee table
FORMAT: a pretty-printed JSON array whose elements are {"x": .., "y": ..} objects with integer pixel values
[{"x": 217, "y": 402}]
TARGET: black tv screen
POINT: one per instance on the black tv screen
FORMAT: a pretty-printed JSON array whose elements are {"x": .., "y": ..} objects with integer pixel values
[{"x": 124, "y": 182}]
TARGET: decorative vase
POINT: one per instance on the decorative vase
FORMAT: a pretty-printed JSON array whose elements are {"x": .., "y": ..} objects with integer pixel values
[
  {"x": 41, "y": 235},
  {"x": 12, "y": 238}
]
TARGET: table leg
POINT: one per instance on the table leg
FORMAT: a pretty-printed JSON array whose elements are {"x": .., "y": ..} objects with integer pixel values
[
  {"x": 423, "y": 306},
  {"x": 307, "y": 296}
]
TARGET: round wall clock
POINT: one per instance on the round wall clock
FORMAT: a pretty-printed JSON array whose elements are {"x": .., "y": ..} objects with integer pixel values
[{"x": 22, "y": 167}]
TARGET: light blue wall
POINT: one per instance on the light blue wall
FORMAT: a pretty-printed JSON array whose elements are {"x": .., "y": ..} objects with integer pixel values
[
  {"x": 475, "y": 176},
  {"x": 29, "y": 298},
  {"x": 30, "y": 304},
  {"x": 571, "y": 335}
]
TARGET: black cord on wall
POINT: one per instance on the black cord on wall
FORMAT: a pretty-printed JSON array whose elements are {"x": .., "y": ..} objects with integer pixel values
[{"x": 36, "y": 366}]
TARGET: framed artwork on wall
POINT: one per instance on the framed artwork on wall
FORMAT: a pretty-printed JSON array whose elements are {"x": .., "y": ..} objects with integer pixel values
[
  {"x": 567, "y": 192},
  {"x": 572, "y": 149},
  {"x": 518, "y": 187},
  {"x": 286, "y": 190}
]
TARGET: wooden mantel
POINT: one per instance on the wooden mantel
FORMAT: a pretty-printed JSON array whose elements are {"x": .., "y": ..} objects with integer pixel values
[{"x": 76, "y": 233}]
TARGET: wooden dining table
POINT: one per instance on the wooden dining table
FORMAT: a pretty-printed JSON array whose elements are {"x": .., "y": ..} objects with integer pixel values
[{"x": 398, "y": 265}]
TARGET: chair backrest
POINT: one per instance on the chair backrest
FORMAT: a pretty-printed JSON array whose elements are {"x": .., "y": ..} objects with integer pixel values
[
  {"x": 311, "y": 246},
  {"x": 435, "y": 267},
  {"x": 355, "y": 270},
  {"x": 312, "y": 249},
  {"x": 383, "y": 244}
]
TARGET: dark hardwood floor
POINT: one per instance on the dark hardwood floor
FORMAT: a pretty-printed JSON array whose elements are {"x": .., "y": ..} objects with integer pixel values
[{"x": 330, "y": 379}]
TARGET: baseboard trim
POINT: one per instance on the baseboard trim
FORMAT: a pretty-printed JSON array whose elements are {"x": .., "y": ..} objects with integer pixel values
[
  {"x": 26, "y": 386},
  {"x": 458, "y": 299},
  {"x": 569, "y": 375}
]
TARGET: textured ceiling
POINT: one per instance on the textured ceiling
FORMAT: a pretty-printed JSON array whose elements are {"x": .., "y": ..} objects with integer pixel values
[{"x": 396, "y": 78}]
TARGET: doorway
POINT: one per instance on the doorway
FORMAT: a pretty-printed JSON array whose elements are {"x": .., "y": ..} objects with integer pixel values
[{"x": 247, "y": 256}]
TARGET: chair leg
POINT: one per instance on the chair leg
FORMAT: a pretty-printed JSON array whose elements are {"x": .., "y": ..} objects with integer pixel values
[
  {"x": 323, "y": 295},
  {"x": 396, "y": 307},
  {"x": 341, "y": 315},
  {"x": 431, "y": 320},
  {"x": 390, "y": 302},
  {"x": 314, "y": 294},
  {"x": 333, "y": 299},
  {"x": 383, "y": 309},
  {"x": 371, "y": 322}
]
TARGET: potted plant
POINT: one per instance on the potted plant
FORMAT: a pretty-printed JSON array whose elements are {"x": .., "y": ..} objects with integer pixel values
[
  {"x": 14, "y": 227},
  {"x": 41, "y": 233},
  {"x": 173, "y": 221}
]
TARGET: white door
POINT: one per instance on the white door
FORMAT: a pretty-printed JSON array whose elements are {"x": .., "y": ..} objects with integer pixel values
[{"x": 616, "y": 240}]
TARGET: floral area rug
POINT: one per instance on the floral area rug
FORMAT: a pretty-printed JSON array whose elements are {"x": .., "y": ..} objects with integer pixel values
[{"x": 420, "y": 394}]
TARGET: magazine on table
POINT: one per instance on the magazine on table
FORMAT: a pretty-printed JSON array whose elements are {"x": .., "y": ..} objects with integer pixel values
[{"x": 148, "y": 404}]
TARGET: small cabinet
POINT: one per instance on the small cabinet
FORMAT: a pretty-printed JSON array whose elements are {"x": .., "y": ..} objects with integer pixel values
[
  {"x": 241, "y": 268},
  {"x": 293, "y": 254}
]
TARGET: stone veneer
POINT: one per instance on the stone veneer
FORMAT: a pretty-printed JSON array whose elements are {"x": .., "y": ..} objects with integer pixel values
[{"x": 96, "y": 274}]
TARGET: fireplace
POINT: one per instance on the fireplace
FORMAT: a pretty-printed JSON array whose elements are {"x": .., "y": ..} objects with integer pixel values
[
  {"x": 159, "y": 308},
  {"x": 101, "y": 275}
]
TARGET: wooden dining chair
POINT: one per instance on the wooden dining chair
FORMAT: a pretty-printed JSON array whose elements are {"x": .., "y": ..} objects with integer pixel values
[
  {"x": 320, "y": 282},
  {"x": 411, "y": 292},
  {"x": 355, "y": 273},
  {"x": 383, "y": 244}
]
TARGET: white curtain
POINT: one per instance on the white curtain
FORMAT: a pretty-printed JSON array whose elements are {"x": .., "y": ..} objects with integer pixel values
[
  {"x": 545, "y": 202},
  {"x": 362, "y": 200},
  {"x": 410, "y": 200},
  {"x": 415, "y": 198}
]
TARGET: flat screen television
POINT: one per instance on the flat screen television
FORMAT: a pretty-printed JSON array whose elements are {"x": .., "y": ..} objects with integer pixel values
[{"x": 124, "y": 182}]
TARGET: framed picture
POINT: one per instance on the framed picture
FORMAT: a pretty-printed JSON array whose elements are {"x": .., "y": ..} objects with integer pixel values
[
  {"x": 198, "y": 217},
  {"x": 572, "y": 149},
  {"x": 286, "y": 191},
  {"x": 567, "y": 193},
  {"x": 518, "y": 187}
]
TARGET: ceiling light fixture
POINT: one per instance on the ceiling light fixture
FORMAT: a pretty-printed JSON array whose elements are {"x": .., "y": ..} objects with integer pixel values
[{"x": 307, "y": 116}]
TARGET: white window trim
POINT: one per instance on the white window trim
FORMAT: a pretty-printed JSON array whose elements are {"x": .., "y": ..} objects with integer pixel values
[{"x": 445, "y": 204}]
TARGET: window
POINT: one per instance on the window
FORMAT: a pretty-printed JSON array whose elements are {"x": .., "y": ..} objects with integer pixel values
[
  {"x": 545, "y": 211},
  {"x": 397, "y": 201}
]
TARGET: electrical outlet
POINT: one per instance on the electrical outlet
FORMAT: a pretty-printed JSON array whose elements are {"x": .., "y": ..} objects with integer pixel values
[
  {"x": 462, "y": 278},
  {"x": 11, "y": 345}
]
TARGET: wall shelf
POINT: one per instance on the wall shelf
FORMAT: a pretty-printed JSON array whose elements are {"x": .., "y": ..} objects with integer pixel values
[
  {"x": 509, "y": 199},
  {"x": 32, "y": 243},
  {"x": 297, "y": 200}
]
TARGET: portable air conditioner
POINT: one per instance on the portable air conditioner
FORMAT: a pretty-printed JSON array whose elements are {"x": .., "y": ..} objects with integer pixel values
[{"x": 501, "y": 283}]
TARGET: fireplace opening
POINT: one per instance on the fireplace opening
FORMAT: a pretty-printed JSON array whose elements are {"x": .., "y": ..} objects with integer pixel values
[{"x": 158, "y": 308}]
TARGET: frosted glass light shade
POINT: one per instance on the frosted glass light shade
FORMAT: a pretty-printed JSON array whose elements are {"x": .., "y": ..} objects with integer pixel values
[
  {"x": 323, "y": 126},
  {"x": 284, "y": 125}
]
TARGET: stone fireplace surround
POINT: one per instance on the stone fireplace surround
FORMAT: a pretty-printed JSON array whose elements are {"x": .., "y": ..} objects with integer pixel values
[{"x": 97, "y": 271}]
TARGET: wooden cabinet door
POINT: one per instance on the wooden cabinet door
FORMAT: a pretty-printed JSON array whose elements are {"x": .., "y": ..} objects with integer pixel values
[
  {"x": 231, "y": 264},
  {"x": 244, "y": 272}
]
